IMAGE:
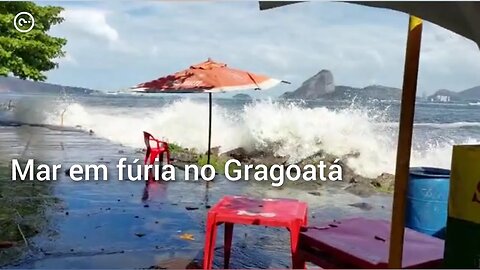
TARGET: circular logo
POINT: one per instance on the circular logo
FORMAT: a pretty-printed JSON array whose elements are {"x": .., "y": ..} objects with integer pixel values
[{"x": 23, "y": 22}]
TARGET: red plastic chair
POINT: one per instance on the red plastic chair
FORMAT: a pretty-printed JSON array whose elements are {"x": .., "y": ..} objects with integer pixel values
[{"x": 154, "y": 152}]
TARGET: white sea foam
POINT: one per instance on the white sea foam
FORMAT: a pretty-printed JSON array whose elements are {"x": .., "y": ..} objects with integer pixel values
[
  {"x": 452, "y": 125},
  {"x": 287, "y": 129}
]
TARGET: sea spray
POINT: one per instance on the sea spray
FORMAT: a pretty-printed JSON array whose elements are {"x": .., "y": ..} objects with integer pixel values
[
  {"x": 298, "y": 132},
  {"x": 362, "y": 135},
  {"x": 184, "y": 122}
]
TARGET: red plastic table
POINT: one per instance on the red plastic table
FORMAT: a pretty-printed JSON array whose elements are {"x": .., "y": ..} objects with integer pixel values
[
  {"x": 364, "y": 243},
  {"x": 288, "y": 213}
]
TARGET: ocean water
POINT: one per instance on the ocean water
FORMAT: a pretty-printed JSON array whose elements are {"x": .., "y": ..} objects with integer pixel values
[
  {"x": 294, "y": 128},
  {"x": 96, "y": 223}
]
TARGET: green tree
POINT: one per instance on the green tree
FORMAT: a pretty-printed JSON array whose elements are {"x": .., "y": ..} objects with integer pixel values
[{"x": 28, "y": 55}]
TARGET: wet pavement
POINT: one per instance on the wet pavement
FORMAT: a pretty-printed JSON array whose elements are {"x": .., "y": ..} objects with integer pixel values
[{"x": 123, "y": 224}]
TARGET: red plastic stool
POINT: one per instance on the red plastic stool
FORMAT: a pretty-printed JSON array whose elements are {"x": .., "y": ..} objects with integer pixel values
[
  {"x": 288, "y": 213},
  {"x": 153, "y": 153}
]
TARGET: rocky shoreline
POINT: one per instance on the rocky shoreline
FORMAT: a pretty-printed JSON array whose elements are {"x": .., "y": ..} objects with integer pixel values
[{"x": 351, "y": 182}]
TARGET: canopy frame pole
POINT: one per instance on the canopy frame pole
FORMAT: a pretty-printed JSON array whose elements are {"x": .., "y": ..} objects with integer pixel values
[
  {"x": 209, "y": 126},
  {"x": 402, "y": 168}
]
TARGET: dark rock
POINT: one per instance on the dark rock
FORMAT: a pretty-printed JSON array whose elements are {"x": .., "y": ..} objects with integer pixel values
[
  {"x": 269, "y": 160},
  {"x": 157, "y": 267},
  {"x": 239, "y": 154},
  {"x": 360, "y": 189},
  {"x": 6, "y": 244},
  {"x": 254, "y": 157},
  {"x": 184, "y": 157},
  {"x": 362, "y": 205},
  {"x": 242, "y": 97},
  {"x": 376, "y": 184},
  {"x": 214, "y": 151},
  {"x": 189, "y": 208},
  {"x": 177, "y": 263},
  {"x": 315, "y": 193},
  {"x": 385, "y": 181},
  {"x": 140, "y": 234},
  {"x": 352, "y": 182}
]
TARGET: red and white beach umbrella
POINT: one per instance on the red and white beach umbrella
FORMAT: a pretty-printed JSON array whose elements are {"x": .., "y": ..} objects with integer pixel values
[{"x": 207, "y": 77}]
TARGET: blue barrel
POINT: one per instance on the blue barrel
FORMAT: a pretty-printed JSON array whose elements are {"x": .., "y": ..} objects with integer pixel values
[{"x": 427, "y": 200}]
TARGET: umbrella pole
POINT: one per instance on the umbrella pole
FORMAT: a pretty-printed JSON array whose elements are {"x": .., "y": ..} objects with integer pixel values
[
  {"x": 207, "y": 185},
  {"x": 209, "y": 125},
  {"x": 402, "y": 168}
]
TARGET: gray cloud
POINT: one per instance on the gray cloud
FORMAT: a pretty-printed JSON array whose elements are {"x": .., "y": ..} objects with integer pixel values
[{"x": 116, "y": 45}]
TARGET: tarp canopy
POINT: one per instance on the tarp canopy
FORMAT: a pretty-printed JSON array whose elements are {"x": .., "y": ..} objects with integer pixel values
[{"x": 462, "y": 18}]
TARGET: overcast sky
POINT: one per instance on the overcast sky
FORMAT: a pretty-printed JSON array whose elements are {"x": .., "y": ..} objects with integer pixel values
[{"x": 113, "y": 45}]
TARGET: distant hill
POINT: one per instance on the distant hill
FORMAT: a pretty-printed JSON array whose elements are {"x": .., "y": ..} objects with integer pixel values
[
  {"x": 315, "y": 87},
  {"x": 472, "y": 94},
  {"x": 370, "y": 92},
  {"x": 322, "y": 86},
  {"x": 468, "y": 95},
  {"x": 14, "y": 85}
]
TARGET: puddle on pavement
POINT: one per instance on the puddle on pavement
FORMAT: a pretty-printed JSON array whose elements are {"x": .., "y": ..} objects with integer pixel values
[{"x": 123, "y": 224}]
